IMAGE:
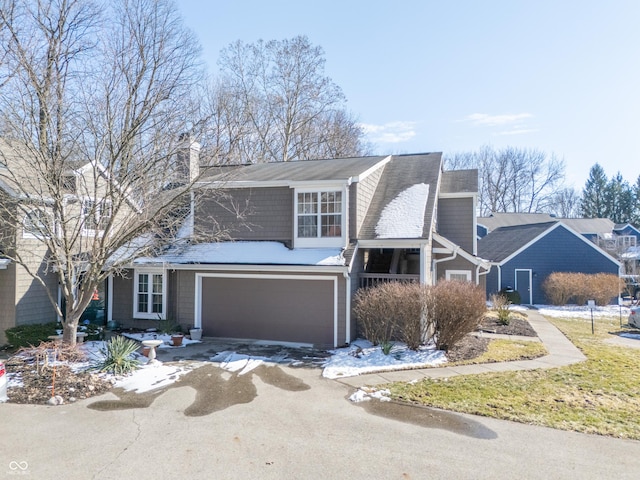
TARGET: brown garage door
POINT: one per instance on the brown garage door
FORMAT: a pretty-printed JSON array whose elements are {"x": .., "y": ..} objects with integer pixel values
[{"x": 290, "y": 310}]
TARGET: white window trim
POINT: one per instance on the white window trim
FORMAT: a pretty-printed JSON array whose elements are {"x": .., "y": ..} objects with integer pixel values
[
  {"x": 92, "y": 232},
  {"x": 319, "y": 242},
  {"x": 449, "y": 273},
  {"x": 150, "y": 315}
]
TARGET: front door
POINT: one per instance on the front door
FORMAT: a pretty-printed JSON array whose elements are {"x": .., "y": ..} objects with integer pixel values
[{"x": 523, "y": 286}]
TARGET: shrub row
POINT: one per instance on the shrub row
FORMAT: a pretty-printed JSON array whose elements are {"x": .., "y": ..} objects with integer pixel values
[
  {"x": 413, "y": 313},
  {"x": 562, "y": 288}
]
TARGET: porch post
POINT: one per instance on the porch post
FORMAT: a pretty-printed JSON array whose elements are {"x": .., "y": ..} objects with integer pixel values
[{"x": 425, "y": 264}]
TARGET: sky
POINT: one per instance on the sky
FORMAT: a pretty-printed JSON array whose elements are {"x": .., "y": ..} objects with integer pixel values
[{"x": 561, "y": 76}]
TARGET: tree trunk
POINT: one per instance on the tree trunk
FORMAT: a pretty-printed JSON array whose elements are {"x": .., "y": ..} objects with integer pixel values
[{"x": 69, "y": 331}]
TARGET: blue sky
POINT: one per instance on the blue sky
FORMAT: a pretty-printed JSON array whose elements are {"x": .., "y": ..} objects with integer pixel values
[{"x": 561, "y": 76}]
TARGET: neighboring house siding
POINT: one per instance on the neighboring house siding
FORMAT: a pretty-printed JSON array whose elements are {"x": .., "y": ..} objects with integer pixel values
[
  {"x": 7, "y": 300},
  {"x": 455, "y": 221},
  {"x": 268, "y": 213},
  {"x": 361, "y": 200},
  {"x": 559, "y": 251}
]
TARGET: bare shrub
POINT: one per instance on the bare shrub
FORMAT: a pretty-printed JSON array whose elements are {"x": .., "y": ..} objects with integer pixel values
[
  {"x": 602, "y": 287},
  {"x": 412, "y": 323},
  {"x": 457, "y": 310},
  {"x": 562, "y": 287},
  {"x": 373, "y": 308},
  {"x": 555, "y": 289},
  {"x": 393, "y": 311},
  {"x": 500, "y": 305},
  {"x": 579, "y": 285}
]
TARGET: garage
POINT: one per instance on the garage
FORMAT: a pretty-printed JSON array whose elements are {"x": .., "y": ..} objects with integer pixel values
[{"x": 289, "y": 308}]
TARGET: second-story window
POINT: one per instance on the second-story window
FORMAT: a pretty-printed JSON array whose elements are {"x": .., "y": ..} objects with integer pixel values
[
  {"x": 95, "y": 216},
  {"x": 319, "y": 214}
]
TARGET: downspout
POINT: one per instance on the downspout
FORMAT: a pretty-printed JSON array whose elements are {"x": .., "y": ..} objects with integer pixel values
[
  {"x": 478, "y": 273},
  {"x": 445, "y": 259}
]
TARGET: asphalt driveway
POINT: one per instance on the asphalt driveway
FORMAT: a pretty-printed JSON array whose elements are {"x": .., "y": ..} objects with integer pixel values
[{"x": 282, "y": 422}]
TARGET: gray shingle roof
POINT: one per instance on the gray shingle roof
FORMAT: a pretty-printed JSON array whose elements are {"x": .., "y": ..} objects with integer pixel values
[
  {"x": 504, "y": 241},
  {"x": 580, "y": 225},
  {"x": 298, "y": 171},
  {"x": 459, "y": 181},
  {"x": 402, "y": 172}
]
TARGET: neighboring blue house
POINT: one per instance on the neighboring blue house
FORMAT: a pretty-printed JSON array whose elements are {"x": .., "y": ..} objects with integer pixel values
[
  {"x": 627, "y": 230},
  {"x": 523, "y": 256}
]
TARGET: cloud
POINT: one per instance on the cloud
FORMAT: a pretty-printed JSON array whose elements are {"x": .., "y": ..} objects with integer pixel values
[
  {"x": 484, "y": 119},
  {"x": 518, "y": 131},
  {"x": 391, "y": 132}
]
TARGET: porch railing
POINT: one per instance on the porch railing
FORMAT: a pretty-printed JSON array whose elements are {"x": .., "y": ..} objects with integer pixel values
[{"x": 368, "y": 280}]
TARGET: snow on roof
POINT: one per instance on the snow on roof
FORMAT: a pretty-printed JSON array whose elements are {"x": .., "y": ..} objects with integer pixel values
[
  {"x": 252, "y": 253},
  {"x": 403, "y": 217}
]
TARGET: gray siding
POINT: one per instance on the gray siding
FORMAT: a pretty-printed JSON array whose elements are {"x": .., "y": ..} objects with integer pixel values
[
  {"x": 455, "y": 221},
  {"x": 7, "y": 300},
  {"x": 361, "y": 199},
  {"x": 32, "y": 302},
  {"x": 559, "y": 251},
  {"x": 458, "y": 263},
  {"x": 123, "y": 298},
  {"x": 268, "y": 213}
]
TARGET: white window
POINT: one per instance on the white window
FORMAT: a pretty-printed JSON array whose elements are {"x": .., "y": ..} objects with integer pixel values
[
  {"x": 458, "y": 275},
  {"x": 149, "y": 294},
  {"x": 95, "y": 216},
  {"x": 36, "y": 224},
  {"x": 319, "y": 218}
]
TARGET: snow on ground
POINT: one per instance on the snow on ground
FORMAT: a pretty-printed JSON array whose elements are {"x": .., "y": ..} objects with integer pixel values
[
  {"x": 575, "y": 311},
  {"x": 403, "y": 217},
  {"x": 362, "y": 357},
  {"x": 236, "y": 362},
  {"x": 147, "y": 377},
  {"x": 166, "y": 339},
  {"x": 367, "y": 393}
]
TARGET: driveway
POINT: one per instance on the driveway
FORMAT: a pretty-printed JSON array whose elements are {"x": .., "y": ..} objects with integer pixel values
[{"x": 282, "y": 422}]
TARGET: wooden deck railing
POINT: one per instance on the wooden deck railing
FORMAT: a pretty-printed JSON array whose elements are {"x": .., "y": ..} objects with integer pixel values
[{"x": 372, "y": 279}]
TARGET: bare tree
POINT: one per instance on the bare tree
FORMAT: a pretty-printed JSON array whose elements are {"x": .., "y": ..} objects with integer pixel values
[
  {"x": 512, "y": 179},
  {"x": 566, "y": 203},
  {"x": 274, "y": 103},
  {"x": 93, "y": 100}
]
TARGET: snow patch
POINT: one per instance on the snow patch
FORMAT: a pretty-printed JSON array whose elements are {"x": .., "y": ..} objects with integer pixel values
[
  {"x": 365, "y": 394},
  {"x": 362, "y": 357},
  {"x": 403, "y": 217}
]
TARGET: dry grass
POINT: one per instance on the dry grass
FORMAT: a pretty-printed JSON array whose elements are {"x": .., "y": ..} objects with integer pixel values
[
  {"x": 500, "y": 350},
  {"x": 600, "y": 395}
]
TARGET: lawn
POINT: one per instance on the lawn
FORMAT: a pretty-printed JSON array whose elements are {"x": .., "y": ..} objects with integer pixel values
[{"x": 601, "y": 395}]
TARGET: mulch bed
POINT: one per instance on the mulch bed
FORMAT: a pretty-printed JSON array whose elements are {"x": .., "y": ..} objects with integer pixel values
[
  {"x": 472, "y": 346},
  {"x": 40, "y": 381},
  {"x": 517, "y": 326}
]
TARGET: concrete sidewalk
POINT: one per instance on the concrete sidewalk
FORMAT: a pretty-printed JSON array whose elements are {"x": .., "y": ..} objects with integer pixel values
[{"x": 561, "y": 352}]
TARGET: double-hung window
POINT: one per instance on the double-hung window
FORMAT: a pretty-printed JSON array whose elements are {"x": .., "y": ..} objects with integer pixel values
[
  {"x": 319, "y": 218},
  {"x": 96, "y": 215},
  {"x": 149, "y": 295}
]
